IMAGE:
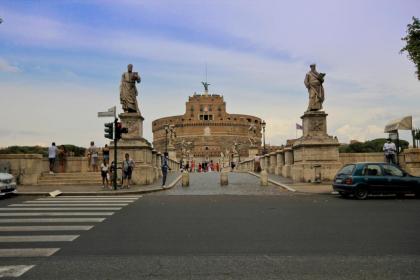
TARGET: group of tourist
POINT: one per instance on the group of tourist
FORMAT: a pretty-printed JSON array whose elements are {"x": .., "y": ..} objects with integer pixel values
[{"x": 205, "y": 166}]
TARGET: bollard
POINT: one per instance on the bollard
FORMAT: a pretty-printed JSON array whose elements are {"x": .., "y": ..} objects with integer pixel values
[
  {"x": 185, "y": 178},
  {"x": 264, "y": 178},
  {"x": 224, "y": 178}
]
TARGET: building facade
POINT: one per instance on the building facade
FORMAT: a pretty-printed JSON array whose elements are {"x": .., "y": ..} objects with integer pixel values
[{"x": 207, "y": 132}]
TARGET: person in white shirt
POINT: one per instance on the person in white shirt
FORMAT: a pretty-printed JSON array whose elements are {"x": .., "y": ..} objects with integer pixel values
[
  {"x": 93, "y": 156},
  {"x": 389, "y": 151},
  {"x": 52, "y": 154},
  {"x": 104, "y": 173}
]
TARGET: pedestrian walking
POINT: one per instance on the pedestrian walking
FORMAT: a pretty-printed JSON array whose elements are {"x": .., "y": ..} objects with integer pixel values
[
  {"x": 105, "y": 174},
  {"x": 93, "y": 155},
  {"x": 127, "y": 167},
  {"x": 52, "y": 154},
  {"x": 389, "y": 151},
  {"x": 165, "y": 167}
]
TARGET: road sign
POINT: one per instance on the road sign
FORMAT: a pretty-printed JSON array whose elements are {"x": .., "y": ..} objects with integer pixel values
[{"x": 110, "y": 113}]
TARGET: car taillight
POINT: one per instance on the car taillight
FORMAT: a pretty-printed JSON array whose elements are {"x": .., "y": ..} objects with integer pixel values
[{"x": 348, "y": 181}]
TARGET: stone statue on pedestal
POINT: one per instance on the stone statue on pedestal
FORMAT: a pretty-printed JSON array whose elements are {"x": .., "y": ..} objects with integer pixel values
[
  {"x": 252, "y": 132},
  {"x": 313, "y": 82},
  {"x": 128, "y": 90}
]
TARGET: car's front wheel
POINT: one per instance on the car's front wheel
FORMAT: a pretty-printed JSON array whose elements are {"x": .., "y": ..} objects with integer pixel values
[{"x": 361, "y": 193}]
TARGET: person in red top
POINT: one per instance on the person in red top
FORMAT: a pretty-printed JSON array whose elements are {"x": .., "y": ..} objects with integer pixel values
[
  {"x": 217, "y": 166},
  {"x": 192, "y": 166},
  {"x": 199, "y": 167}
]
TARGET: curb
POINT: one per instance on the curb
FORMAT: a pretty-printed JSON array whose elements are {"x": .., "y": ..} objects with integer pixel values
[
  {"x": 290, "y": 189},
  {"x": 94, "y": 193}
]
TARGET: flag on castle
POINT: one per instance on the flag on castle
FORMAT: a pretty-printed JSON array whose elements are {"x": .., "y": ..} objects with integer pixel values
[{"x": 298, "y": 126}]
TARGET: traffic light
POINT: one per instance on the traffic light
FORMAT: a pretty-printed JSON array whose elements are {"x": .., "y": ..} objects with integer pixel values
[
  {"x": 120, "y": 130},
  {"x": 109, "y": 130}
]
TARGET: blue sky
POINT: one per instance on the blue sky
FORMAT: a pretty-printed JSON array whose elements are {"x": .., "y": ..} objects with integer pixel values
[{"x": 61, "y": 62}]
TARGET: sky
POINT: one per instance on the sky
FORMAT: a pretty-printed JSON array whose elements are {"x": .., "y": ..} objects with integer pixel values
[{"x": 61, "y": 63}]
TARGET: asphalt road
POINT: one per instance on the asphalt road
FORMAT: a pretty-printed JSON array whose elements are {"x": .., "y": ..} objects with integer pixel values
[{"x": 246, "y": 236}]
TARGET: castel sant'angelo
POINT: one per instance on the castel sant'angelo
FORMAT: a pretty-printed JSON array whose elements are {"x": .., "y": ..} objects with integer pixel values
[{"x": 207, "y": 132}]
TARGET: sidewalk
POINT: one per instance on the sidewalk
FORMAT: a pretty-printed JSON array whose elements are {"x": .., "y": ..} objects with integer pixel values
[
  {"x": 287, "y": 183},
  {"x": 172, "y": 180}
]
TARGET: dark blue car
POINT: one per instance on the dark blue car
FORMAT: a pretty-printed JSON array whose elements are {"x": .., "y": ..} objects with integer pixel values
[{"x": 362, "y": 179}]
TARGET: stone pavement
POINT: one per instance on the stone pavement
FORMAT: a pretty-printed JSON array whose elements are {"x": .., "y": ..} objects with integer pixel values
[
  {"x": 209, "y": 184},
  {"x": 322, "y": 188},
  {"x": 172, "y": 179}
]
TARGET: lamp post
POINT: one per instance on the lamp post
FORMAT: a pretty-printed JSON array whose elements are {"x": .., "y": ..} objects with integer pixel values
[
  {"x": 263, "y": 127},
  {"x": 166, "y": 137}
]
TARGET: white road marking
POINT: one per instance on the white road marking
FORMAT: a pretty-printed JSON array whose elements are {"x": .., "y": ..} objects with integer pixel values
[
  {"x": 53, "y": 220},
  {"x": 28, "y": 252},
  {"x": 101, "y": 196},
  {"x": 60, "y": 208},
  {"x": 57, "y": 214},
  {"x": 79, "y": 201},
  {"x": 37, "y": 238},
  {"x": 86, "y": 198},
  {"x": 14, "y": 270},
  {"x": 68, "y": 204},
  {"x": 44, "y": 228}
]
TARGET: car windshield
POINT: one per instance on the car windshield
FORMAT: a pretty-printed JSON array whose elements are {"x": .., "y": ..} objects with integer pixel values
[{"x": 346, "y": 170}]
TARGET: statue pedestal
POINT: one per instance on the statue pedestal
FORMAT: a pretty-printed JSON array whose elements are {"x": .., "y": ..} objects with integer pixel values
[
  {"x": 315, "y": 154},
  {"x": 138, "y": 148},
  {"x": 252, "y": 152},
  {"x": 134, "y": 123},
  {"x": 172, "y": 153}
]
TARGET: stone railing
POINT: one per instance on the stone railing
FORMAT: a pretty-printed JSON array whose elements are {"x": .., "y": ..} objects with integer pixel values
[
  {"x": 29, "y": 168},
  {"x": 281, "y": 161}
]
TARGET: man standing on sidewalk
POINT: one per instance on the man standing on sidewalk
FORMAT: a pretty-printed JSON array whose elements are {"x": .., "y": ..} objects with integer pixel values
[
  {"x": 389, "y": 150},
  {"x": 165, "y": 167},
  {"x": 52, "y": 154}
]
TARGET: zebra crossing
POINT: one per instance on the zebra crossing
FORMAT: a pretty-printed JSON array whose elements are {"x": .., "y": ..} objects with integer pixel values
[{"x": 43, "y": 219}]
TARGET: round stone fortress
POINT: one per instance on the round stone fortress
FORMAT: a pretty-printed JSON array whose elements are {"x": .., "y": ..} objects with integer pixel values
[{"x": 207, "y": 132}]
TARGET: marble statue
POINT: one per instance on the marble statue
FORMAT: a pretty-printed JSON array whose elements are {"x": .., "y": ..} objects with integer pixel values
[
  {"x": 128, "y": 90},
  {"x": 313, "y": 82}
]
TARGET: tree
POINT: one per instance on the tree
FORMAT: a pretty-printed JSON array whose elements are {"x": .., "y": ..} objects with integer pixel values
[
  {"x": 413, "y": 44},
  {"x": 372, "y": 146}
]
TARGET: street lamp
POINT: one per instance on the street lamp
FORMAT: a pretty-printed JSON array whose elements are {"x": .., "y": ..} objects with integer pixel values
[
  {"x": 263, "y": 127},
  {"x": 166, "y": 137}
]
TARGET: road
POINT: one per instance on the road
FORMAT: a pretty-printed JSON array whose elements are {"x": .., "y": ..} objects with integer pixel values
[{"x": 242, "y": 231}]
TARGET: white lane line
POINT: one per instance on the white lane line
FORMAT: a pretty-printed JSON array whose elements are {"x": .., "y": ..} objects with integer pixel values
[
  {"x": 14, "y": 270},
  {"x": 78, "y": 201},
  {"x": 101, "y": 196},
  {"x": 28, "y": 252},
  {"x": 52, "y": 220},
  {"x": 43, "y": 228},
  {"x": 87, "y": 198},
  {"x": 37, "y": 238},
  {"x": 59, "y": 208},
  {"x": 57, "y": 214},
  {"x": 68, "y": 204}
]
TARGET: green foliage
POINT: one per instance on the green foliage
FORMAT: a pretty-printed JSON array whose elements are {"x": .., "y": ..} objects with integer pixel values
[
  {"x": 413, "y": 43},
  {"x": 372, "y": 146},
  {"x": 70, "y": 149}
]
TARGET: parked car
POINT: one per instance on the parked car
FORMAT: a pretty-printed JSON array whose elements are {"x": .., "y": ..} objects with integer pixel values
[
  {"x": 362, "y": 179},
  {"x": 7, "y": 184}
]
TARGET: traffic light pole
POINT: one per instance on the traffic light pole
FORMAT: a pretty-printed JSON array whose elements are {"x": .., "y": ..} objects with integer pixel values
[{"x": 114, "y": 175}]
